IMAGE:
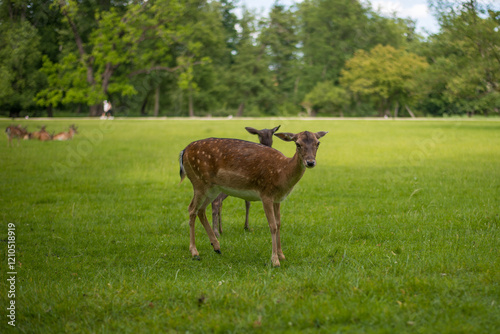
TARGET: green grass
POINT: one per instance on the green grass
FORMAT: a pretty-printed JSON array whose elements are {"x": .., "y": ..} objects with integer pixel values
[{"x": 396, "y": 230}]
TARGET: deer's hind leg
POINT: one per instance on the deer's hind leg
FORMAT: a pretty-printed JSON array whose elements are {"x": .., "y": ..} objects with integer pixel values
[
  {"x": 192, "y": 220},
  {"x": 198, "y": 206}
]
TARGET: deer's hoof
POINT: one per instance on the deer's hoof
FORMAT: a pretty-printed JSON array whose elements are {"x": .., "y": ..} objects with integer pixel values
[
  {"x": 218, "y": 251},
  {"x": 196, "y": 258}
]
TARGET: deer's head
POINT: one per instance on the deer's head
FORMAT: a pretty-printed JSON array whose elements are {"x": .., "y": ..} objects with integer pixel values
[
  {"x": 265, "y": 135},
  {"x": 307, "y": 145}
]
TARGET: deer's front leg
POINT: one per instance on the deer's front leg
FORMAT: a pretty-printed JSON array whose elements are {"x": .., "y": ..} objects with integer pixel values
[
  {"x": 269, "y": 210},
  {"x": 277, "y": 218}
]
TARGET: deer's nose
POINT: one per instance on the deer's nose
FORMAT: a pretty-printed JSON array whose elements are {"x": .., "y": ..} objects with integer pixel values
[{"x": 310, "y": 163}]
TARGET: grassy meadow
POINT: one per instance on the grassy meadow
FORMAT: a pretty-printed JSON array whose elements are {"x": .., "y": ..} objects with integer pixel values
[{"x": 396, "y": 230}]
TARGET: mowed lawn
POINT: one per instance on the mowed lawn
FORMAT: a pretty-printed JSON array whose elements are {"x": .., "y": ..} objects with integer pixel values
[{"x": 395, "y": 230}]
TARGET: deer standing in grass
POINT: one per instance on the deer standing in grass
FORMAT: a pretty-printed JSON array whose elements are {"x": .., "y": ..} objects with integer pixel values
[
  {"x": 16, "y": 132},
  {"x": 265, "y": 138},
  {"x": 42, "y": 135},
  {"x": 250, "y": 171},
  {"x": 66, "y": 135}
]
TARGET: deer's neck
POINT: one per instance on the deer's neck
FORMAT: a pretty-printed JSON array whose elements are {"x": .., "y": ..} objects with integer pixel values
[{"x": 295, "y": 170}]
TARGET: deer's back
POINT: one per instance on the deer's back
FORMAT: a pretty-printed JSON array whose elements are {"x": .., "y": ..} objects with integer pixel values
[{"x": 231, "y": 162}]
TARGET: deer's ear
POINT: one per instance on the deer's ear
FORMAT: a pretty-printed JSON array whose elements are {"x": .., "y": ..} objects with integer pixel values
[
  {"x": 275, "y": 129},
  {"x": 320, "y": 134},
  {"x": 286, "y": 136},
  {"x": 252, "y": 130}
]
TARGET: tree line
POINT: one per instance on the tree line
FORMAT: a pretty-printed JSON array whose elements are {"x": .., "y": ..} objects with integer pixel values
[{"x": 199, "y": 58}]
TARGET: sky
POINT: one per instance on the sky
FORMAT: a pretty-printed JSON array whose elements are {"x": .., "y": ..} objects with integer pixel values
[{"x": 415, "y": 9}]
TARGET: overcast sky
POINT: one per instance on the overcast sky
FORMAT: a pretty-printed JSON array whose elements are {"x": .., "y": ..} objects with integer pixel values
[{"x": 415, "y": 9}]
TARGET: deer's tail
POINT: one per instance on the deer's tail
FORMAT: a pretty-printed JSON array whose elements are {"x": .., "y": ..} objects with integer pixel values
[{"x": 182, "y": 171}]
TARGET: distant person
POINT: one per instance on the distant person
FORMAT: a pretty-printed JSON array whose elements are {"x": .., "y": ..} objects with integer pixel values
[{"x": 107, "y": 110}]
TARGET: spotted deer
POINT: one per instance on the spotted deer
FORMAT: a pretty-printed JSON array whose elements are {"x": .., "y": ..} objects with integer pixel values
[
  {"x": 42, "y": 135},
  {"x": 66, "y": 135},
  {"x": 265, "y": 138},
  {"x": 247, "y": 170},
  {"x": 18, "y": 132}
]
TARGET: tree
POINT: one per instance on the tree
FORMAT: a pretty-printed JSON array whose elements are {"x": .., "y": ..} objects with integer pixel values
[
  {"x": 19, "y": 61},
  {"x": 326, "y": 97},
  {"x": 249, "y": 78},
  {"x": 142, "y": 38},
  {"x": 332, "y": 30},
  {"x": 20, "y": 55},
  {"x": 386, "y": 76},
  {"x": 280, "y": 38},
  {"x": 465, "y": 56},
  {"x": 83, "y": 74}
]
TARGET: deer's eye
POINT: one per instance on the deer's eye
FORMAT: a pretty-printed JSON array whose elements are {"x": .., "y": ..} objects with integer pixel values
[{"x": 317, "y": 145}]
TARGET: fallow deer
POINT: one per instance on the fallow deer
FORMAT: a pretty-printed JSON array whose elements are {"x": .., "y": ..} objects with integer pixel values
[
  {"x": 250, "y": 171},
  {"x": 16, "y": 132},
  {"x": 42, "y": 135},
  {"x": 265, "y": 138},
  {"x": 66, "y": 135}
]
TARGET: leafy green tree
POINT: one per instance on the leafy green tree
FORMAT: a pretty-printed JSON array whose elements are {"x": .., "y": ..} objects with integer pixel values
[
  {"x": 465, "y": 56},
  {"x": 327, "y": 98},
  {"x": 280, "y": 37},
  {"x": 386, "y": 76},
  {"x": 84, "y": 72},
  {"x": 143, "y": 38},
  {"x": 250, "y": 82},
  {"x": 332, "y": 30},
  {"x": 20, "y": 58}
]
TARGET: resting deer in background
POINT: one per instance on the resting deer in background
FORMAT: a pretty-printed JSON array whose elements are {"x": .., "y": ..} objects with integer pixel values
[
  {"x": 16, "y": 132},
  {"x": 265, "y": 138},
  {"x": 42, "y": 135},
  {"x": 247, "y": 170},
  {"x": 66, "y": 135}
]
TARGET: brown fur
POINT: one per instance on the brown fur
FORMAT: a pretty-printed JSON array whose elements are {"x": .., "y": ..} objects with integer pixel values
[
  {"x": 42, "y": 135},
  {"x": 66, "y": 135},
  {"x": 16, "y": 132}
]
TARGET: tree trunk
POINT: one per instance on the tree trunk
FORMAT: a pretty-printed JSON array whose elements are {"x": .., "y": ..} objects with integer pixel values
[
  {"x": 241, "y": 108},
  {"x": 95, "y": 110},
  {"x": 106, "y": 77},
  {"x": 49, "y": 111},
  {"x": 157, "y": 101},
  {"x": 296, "y": 86},
  {"x": 396, "y": 110},
  {"x": 410, "y": 112},
  {"x": 144, "y": 103},
  {"x": 190, "y": 101}
]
